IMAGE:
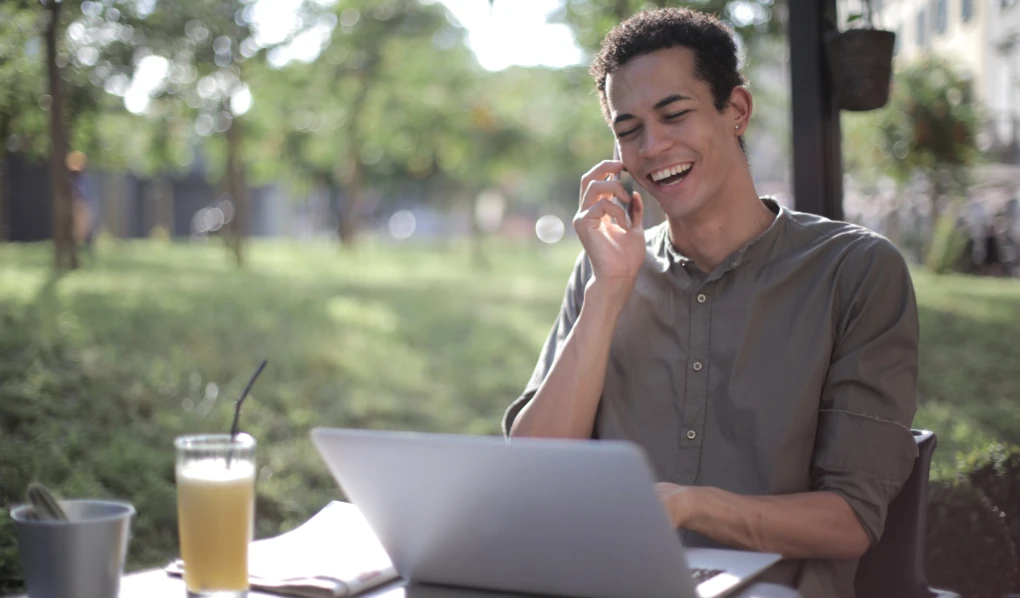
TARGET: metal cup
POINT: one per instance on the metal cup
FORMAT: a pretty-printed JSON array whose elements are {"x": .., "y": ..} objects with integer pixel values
[{"x": 79, "y": 558}]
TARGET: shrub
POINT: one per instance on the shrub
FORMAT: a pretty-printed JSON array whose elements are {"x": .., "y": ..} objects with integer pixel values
[
  {"x": 968, "y": 549},
  {"x": 997, "y": 474},
  {"x": 947, "y": 252}
]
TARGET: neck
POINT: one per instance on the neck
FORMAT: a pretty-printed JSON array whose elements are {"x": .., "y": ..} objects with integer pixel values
[{"x": 728, "y": 222}]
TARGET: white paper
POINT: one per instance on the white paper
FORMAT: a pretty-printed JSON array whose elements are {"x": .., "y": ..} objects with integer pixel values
[{"x": 336, "y": 543}]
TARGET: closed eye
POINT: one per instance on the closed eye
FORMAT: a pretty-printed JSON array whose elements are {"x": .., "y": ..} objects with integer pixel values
[
  {"x": 673, "y": 116},
  {"x": 626, "y": 133}
]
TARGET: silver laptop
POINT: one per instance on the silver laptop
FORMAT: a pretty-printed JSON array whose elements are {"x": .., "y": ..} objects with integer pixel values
[{"x": 557, "y": 517}]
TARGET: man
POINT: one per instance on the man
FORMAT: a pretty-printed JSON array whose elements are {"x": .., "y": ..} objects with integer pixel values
[
  {"x": 84, "y": 201},
  {"x": 765, "y": 359}
]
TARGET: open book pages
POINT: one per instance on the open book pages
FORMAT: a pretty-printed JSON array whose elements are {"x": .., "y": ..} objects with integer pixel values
[{"x": 332, "y": 555}]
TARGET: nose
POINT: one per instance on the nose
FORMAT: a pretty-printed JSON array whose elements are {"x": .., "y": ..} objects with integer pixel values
[{"x": 656, "y": 140}]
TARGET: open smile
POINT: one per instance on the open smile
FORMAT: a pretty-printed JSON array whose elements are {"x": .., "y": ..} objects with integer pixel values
[{"x": 671, "y": 175}]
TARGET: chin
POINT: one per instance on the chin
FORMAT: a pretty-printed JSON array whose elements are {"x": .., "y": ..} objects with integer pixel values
[{"x": 680, "y": 207}]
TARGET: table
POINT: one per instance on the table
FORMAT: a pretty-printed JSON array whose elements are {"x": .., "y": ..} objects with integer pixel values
[
  {"x": 344, "y": 521},
  {"x": 157, "y": 584},
  {"x": 154, "y": 583}
]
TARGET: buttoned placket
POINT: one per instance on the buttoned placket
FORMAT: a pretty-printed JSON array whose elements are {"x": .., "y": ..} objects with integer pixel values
[
  {"x": 690, "y": 376},
  {"x": 693, "y": 297},
  {"x": 696, "y": 388}
]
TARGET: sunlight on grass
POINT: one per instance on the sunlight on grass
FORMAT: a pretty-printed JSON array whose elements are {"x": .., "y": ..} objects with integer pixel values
[{"x": 374, "y": 317}]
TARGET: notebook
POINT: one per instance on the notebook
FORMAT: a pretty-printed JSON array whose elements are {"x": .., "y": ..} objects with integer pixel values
[{"x": 334, "y": 554}]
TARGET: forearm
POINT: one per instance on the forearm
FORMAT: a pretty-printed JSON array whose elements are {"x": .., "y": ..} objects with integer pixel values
[
  {"x": 565, "y": 404},
  {"x": 805, "y": 525}
]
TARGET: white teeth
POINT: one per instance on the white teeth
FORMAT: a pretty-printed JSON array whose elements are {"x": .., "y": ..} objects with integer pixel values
[{"x": 667, "y": 172}]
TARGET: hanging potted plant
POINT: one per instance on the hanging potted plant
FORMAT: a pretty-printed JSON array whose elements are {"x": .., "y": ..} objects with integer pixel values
[{"x": 860, "y": 60}]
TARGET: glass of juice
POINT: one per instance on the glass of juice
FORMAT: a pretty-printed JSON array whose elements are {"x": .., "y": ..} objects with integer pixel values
[{"x": 215, "y": 512}]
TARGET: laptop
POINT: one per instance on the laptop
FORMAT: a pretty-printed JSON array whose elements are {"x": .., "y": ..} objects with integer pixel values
[{"x": 541, "y": 516}]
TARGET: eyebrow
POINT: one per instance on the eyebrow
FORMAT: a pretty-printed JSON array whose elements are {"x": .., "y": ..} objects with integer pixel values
[{"x": 676, "y": 97}]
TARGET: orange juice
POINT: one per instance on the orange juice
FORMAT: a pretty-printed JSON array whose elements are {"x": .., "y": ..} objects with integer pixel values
[{"x": 215, "y": 515}]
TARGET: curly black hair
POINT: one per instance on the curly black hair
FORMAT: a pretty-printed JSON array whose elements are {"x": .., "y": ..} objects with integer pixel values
[{"x": 715, "y": 51}]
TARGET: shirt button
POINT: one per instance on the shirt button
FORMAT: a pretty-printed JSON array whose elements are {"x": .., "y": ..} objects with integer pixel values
[
  {"x": 697, "y": 366},
  {"x": 691, "y": 434},
  {"x": 701, "y": 298}
]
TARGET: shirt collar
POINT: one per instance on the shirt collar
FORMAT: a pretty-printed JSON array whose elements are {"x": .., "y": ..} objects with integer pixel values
[{"x": 668, "y": 254}]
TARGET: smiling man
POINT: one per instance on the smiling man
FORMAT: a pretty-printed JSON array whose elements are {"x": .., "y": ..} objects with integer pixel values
[{"x": 765, "y": 359}]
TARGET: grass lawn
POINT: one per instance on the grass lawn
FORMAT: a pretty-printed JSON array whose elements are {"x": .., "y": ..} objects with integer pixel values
[{"x": 100, "y": 369}]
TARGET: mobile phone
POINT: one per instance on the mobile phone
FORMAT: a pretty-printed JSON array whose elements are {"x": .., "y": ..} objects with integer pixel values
[{"x": 624, "y": 178}]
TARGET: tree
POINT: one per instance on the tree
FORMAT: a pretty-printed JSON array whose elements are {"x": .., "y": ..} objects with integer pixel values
[
  {"x": 25, "y": 20},
  {"x": 49, "y": 104},
  {"x": 194, "y": 57},
  {"x": 202, "y": 46},
  {"x": 592, "y": 19},
  {"x": 387, "y": 102},
  {"x": 925, "y": 135},
  {"x": 66, "y": 255},
  {"x": 929, "y": 128}
]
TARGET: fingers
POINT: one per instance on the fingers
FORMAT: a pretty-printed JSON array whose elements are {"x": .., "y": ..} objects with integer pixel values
[
  {"x": 597, "y": 190},
  {"x": 601, "y": 208},
  {"x": 600, "y": 172}
]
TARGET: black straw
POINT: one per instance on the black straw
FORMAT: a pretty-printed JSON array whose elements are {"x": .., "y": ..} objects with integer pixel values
[{"x": 237, "y": 405}]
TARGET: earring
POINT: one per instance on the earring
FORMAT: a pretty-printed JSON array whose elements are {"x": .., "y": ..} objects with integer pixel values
[{"x": 737, "y": 127}]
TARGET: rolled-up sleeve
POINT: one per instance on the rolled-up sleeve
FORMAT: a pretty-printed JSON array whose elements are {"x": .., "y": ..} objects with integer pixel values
[
  {"x": 569, "y": 311},
  {"x": 864, "y": 450}
]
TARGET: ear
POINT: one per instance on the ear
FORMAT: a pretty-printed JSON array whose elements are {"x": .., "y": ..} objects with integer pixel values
[{"x": 740, "y": 108}]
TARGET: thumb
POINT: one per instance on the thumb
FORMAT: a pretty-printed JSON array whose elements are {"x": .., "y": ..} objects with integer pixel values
[{"x": 637, "y": 214}]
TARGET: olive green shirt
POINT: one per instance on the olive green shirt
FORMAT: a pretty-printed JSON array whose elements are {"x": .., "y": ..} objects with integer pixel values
[{"x": 789, "y": 368}]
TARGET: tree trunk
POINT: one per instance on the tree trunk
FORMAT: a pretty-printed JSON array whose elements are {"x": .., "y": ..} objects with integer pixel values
[
  {"x": 5, "y": 131},
  {"x": 479, "y": 257},
  {"x": 937, "y": 190},
  {"x": 163, "y": 205},
  {"x": 335, "y": 199},
  {"x": 237, "y": 191},
  {"x": 65, "y": 251},
  {"x": 3, "y": 192},
  {"x": 113, "y": 206},
  {"x": 348, "y": 225}
]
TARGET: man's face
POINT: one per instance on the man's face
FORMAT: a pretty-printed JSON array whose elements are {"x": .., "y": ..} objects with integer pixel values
[{"x": 672, "y": 139}]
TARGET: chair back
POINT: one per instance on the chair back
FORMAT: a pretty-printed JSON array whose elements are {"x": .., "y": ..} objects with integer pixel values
[{"x": 894, "y": 567}]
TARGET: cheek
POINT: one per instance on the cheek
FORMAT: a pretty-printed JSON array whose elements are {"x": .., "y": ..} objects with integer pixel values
[{"x": 700, "y": 135}]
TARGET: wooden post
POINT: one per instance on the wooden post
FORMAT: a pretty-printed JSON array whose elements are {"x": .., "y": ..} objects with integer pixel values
[{"x": 817, "y": 156}]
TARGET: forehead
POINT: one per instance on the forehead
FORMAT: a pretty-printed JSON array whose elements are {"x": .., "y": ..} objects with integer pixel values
[{"x": 643, "y": 81}]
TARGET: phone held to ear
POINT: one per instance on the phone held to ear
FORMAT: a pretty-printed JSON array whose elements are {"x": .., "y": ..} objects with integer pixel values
[{"x": 624, "y": 178}]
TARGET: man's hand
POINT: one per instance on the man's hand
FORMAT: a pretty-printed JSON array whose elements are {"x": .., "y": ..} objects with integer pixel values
[
  {"x": 616, "y": 252},
  {"x": 806, "y": 525},
  {"x": 677, "y": 501}
]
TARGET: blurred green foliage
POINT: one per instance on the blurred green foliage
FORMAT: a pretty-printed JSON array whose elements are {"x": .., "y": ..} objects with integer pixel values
[
  {"x": 928, "y": 128},
  {"x": 946, "y": 251},
  {"x": 968, "y": 549},
  {"x": 996, "y": 472},
  {"x": 394, "y": 102},
  {"x": 931, "y": 122},
  {"x": 592, "y": 19}
]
